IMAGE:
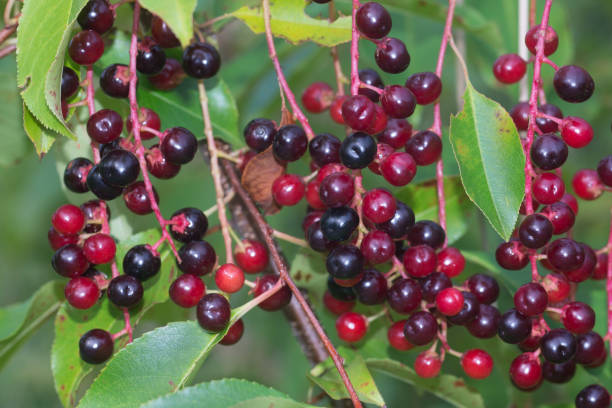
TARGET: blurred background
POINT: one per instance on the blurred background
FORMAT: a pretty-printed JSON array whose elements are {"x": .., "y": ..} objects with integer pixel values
[{"x": 31, "y": 188}]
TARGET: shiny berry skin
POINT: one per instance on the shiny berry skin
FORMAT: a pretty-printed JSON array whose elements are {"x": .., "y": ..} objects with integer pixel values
[
  {"x": 252, "y": 256},
  {"x": 593, "y": 396},
  {"x": 484, "y": 287},
  {"x": 398, "y": 169},
  {"x": 531, "y": 299},
  {"x": 514, "y": 327},
  {"x": 377, "y": 247},
  {"x": 520, "y": 115},
  {"x": 312, "y": 195},
  {"x": 370, "y": 77},
  {"x": 426, "y": 87},
  {"x": 486, "y": 322},
  {"x": 604, "y": 170},
  {"x": 404, "y": 296},
  {"x": 86, "y": 47},
  {"x": 179, "y": 145},
  {"x": 335, "y": 110},
  {"x": 558, "y": 346},
  {"x": 421, "y": 328},
  {"x": 372, "y": 288},
  {"x": 96, "y": 15},
  {"x": 337, "y": 306},
  {"x": 477, "y": 363},
  {"x": 170, "y": 76},
  {"x": 578, "y": 317},
  {"x": 449, "y": 301},
  {"x": 163, "y": 34},
  {"x": 571, "y": 201},
  {"x": 148, "y": 118},
  {"x": 379, "y": 123},
  {"x": 549, "y": 152},
  {"x": 373, "y": 20},
  {"x": 420, "y": 261},
  {"x": 290, "y": 143},
  {"x": 288, "y": 190},
  {"x": 557, "y": 287},
  {"x": 104, "y": 126},
  {"x": 339, "y": 223},
  {"x": 69, "y": 84},
  {"x": 137, "y": 200},
  {"x": 450, "y": 262},
  {"x": 188, "y": 224},
  {"x": 565, "y": 254},
  {"x": 201, "y": 60},
  {"x": 345, "y": 262},
  {"x": 115, "y": 80},
  {"x": 561, "y": 216},
  {"x": 213, "y": 312},
  {"x": 101, "y": 189},
  {"x": 396, "y": 134},
  {"x": 535, "y": 231},
  {"x": 357, "y": 151},
  {"x": 400, "y": 223},
  {"x": 234, "y": 334},
  {"x": 351, "y": 327},
  {"x": 589, "y": 347},
  {"x": 75, "y": 174},
  {"x": 509, "y": 68},
  {"x": 600, "y": 271},
  {"x": 316, "y": 239},
  {"x": 337, "y": 189},
  {"x": 573, "y": 84},
  {"x": 469, "y": 311},
  {"x": 425, "y": 147},
  {"x": 229, "y": 278},
  {"x": 99, "y": 249},
  {"x": 187, "y": 290},
  {"x": 391, "y": 55},
  {"x": 93, "y": 215},
  {"x": 324, "y": 149},
  {"x": 551, "y": 40},
  {"x": 427, "y": 364},
  {"x": 68, "y": 219},
  {"x": 587, "y": 184},
  {"x": 57, "y": 240},
  {"x": 125, "y": 291},
  {"x": 396, "y": 337},
  {"x": 526, "y": 372},
  {"x": 81, "y": 293},
  {"x": 548, "y": 125},
  {"x": 426, "y": 232},
  {"x": 151, "y": 58},
  {"x": 259, "y": 134},
  {"x": 398, "y": 101},
  {"x": 119, "y": 168},
  {"x": 433, "y": 284},
  {"x": 378, "y": 205},
  {"x": 548, "y": 188},
  {"x": 317, "y": 97},
  {"x": 310, "y": 218},
  {"x": 197, "y": 258},
  {"x": 159, "y": 166},
  {"x": 576, "y": 132},
  {"x": 585, "y": 269},
  {"x": 558, "y": 373},
  {"x": 358, "y": 112},
  {"x": 277, "y": 301},
  {"x": 141, "y": 263},
  {"x": 96, "y": 346}
]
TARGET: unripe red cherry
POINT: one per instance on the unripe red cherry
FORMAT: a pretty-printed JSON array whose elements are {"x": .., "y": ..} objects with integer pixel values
[
  {"x": 420, "y": 261},
  {"x": 358, "y": 112},
  {"x": 99, "y": 249},
  {"x": 337, "y": 306},
  {"x": 548, "y": 188},
  {"x": 234, "y": 334},
  {"x": 335, "y": 110},
  {"x": 397, "y": 338},
  {"x": 378, "y": 205},
  {"x": 578, "y": 317},
  {"x": 526, "y": 371},
  {"x": 57, "y": 240},
  {"x": 477, "y": 363},
  {"x": 576, "y": 132},
  {"x": 428, "y": 364},
  {"x": 251, "y": 256},
  {"x": 509, "y": 68},
  {"x": 449, "y": 301},
  {"x": 379, "y": 123},
  {"x": 551, "y": 40},
  {"x": 398, "y": 169},
  {"x": 187, "y": 290},
  {"x": 81, "y": 292},
  {"x": 68, "y": 219},
  {"x": 571, "y": 201},
  {"x": 531, "y": 299},
  {"x": 288, "y": 190},
  {"x": 229, "y": 278},
  {"x": 557, "y": 287},
  {"x": 587, "y": 184},
  {"x": 351, "y": 326},
  {"x": 450, "y": 262},
  {"x": 377, "y": 247},
  {"x": 317, "y": 97}
]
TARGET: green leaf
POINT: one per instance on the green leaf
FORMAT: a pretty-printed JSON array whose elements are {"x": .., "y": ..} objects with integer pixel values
[
  {"x": 42, "y": 138},
  {"x": 179, "y": 16},
  {"x": 423, "y": 200},
  {"x": 327, "y": 377},
  {"x": 447, "y": 387},
  {"x": 289, "y": 21},
  {"x": 47, "y": 24},
  {"x": 14, "y": 144},
  {"x": 70, "y": 324},
  {"x": 491, "y": 159},
  {"x": 19, "y": 321},
  {"x": 309, "y": 272},
  {"x": 227, "y": 393}
]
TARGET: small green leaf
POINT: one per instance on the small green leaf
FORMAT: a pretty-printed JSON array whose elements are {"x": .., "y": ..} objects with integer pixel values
[
  {"x": 19, "y": 321},
  {"x": 423, "y": 200},
  {"x": 327, "y": 377},
  {"x": 289, "y": 21},
  {"x": 42, "y": 138},
  {"x": 227, "y": 393},
  {"x": 447, "y": 387},
  {"x": 70, "y": 324},
  {"x": 308, "y": 271},
  {"x": 491, "y": 159},
  {"x": 179, "y": 16},
  {"x": 14, "y": 144}
]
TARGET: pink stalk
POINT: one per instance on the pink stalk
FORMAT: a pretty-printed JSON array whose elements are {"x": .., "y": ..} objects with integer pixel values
[
  {"x": 140, "y": 150},
  {"x": 609, "y": 286},
  {"x": 355, "y": 51},
  {"x": 297, "y": 112}
]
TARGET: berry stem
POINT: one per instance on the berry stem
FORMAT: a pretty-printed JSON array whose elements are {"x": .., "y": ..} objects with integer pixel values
[
  {"x": 609, "y": 284},
  {"x": 536, "y": 87},
  {"x": 157, "y": 133},
  {"x": 355, "y": 51},
  {"x": 373, "y": 88},
  {"x": 340, "y": 78},
  {"x": 290, "y": 238},
  {"x": 214, "y": 169},
  {"x": 265, "y": 232},
  {"x": 140, "y": 150},
  {"x": 297, "y": 112}
]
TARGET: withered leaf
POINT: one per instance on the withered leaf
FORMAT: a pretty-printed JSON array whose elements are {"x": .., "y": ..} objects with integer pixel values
[{"x": 258, "y": 177}]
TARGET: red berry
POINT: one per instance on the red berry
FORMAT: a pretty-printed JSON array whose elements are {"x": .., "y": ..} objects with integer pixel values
[
  {"x": 571, "y": 201},
  {"x": 578, "y": 317},
  {"x": 383, "y": 150},
  {"x": 68, "y": 219},
  {"x": 163, "y": 34},
  {"x": 317, "y": 97},
  {"x": 229, "y": 278},
  {"x": 600, "y": 271},
  {"x": 379, "y": 123},
  {"x": 509, "y": 68},
  {"x": 234, "y": 334},
  {"x": 587, "y": 184},
  {"x": 57, "y": 240},
  {"x": 531, "y": 299},
  {"x": 548, "y": 188},
  {"x": 358, "y": 112},
  {"x": 99, "y": 249},
  {"x": 397, "y": 338},
  {"x": 427, "y": 364},
  {"x": 551, "y": 40},
  {"x": 449, "y": 301},
  {"x": 396, "y": 134},
  {"x": 337, "y": 189},
  {"x": 288, "y": 190},
  {"x": 312, "y": 195},
  {"x": 251, "y": 256},
  {"x": 557, "y": 287},
  {"x": 398, "y": 169},
  {"x": 335, "y": 110},
  {"x": 378, "y": 205},
  {"x": 337, "y": 306},
  {"x": 420, "y": 261},
  {"x": 477, "y": 363},
  {"x": 576, "y": 132},
  {"x": 81, "y": 292},
  {"x": 86, "y": 47},
  {"x": 398, "y": 101},
  {"x": 426, "y": 87},
  {"x": 526, "y": 371},
  {"x": 351, "y": 326},
  {"x": 377, "y": 247},
  {"x": 148, "y": 118},
  {"x": 425, "y": 147},
  {"x": 136, "y": 198},
  {"x": 170, "y": 77},
  {"x": 450, "y": 262},
  {"x": 187, "y": 290},
  {"x": 278, "y": 300}
]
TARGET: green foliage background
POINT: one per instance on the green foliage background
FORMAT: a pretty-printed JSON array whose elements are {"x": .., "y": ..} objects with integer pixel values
[{"x": 268, "y": 353}]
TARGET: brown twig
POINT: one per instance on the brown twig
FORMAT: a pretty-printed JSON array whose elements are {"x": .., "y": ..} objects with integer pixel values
[{"x": 9, "y": 49}]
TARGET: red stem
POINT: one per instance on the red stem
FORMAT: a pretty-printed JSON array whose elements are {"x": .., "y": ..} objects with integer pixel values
[
  {"x": 536, "y": 87},
  {"x": 355, "y": 51}
]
